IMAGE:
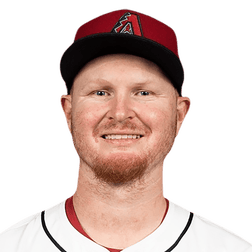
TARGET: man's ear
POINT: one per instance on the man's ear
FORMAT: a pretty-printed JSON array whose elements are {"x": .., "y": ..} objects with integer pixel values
[
  {"x": 66, "y": 103},
  {"x": 183, "y": 104}
]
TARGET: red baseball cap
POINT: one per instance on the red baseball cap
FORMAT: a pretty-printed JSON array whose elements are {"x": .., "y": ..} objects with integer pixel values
[{"x": 124, "y": 31}]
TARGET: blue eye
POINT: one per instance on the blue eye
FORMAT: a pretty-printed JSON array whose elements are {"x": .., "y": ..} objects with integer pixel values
[
  {"x": 103, "y": 93},
  {"x": 144, "y": 93},
  {"x": 100, "y": 93}
]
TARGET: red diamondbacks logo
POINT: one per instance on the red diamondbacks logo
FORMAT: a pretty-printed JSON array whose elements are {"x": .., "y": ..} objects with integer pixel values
[{"x": 130, "y": 24}]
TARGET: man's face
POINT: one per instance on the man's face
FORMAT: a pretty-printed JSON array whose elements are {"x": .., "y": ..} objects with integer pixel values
[{"x": 123, "y": 115}]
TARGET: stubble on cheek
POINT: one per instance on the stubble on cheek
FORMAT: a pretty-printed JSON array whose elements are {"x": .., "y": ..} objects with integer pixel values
[{"x": 116, "y": 169}]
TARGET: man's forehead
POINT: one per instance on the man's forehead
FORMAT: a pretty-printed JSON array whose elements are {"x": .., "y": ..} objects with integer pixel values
[
  {"x": 106, "y": 84},
  {"x": 131, "y": 59},
  {"x": 105, "y": 68}
]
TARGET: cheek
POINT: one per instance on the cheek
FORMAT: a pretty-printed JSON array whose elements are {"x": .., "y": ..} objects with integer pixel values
[
  {"x": 158, "y": 118},
  {"x": 86, "y": 117}
]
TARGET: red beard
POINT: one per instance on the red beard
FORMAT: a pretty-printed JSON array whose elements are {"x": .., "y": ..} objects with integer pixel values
[
  {"x": 119, "y": 170},
  {"x": 126, "y": 168}
]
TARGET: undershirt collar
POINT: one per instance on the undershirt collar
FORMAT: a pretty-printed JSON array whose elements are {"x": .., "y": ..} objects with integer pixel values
[{"x": 72, "y": 217}]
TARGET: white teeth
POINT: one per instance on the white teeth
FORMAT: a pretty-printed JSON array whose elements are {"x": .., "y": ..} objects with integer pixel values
[{"x": 122, "y": 136}]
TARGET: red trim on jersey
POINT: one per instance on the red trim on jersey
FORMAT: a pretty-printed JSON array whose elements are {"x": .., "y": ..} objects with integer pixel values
[
  {"x": 73, "y": 219},
  {"x": 166, "y": 210}
]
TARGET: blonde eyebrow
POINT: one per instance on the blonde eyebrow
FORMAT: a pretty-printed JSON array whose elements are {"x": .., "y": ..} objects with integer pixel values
[
  {"x": 100, "y": 83},
  {"x": 141, "y": 84}
]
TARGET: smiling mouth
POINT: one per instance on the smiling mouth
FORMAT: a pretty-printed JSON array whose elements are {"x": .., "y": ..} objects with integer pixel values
[{"x": 121, "y": 137}]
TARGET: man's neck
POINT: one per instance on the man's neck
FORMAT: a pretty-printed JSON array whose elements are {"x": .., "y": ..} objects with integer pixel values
[{"x": 119, "y": 216}]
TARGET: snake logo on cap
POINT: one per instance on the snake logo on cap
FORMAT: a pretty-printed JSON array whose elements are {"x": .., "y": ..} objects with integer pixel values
[{"x": 129, "y": 23}]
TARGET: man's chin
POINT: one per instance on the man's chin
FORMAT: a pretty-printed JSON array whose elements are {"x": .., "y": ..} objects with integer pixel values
[{"x": 118, "y": 171}]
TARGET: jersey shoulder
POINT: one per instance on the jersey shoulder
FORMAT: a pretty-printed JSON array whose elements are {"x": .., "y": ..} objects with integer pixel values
[
  {"x": 213, "y": 228},
  {"x": 212, "y": 236},
  {"x": 26, "y": 235},
  {"x": 11, "y": 239}
]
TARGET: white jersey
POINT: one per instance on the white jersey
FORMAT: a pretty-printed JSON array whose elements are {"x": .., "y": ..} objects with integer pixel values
[{"x": 180, "y": 231}]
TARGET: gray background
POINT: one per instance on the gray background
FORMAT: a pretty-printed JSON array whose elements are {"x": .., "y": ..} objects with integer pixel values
[{"x": 208, "y": 170}]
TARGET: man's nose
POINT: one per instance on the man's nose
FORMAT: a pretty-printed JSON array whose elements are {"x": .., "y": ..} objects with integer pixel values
[{"x": 121, "y": 109}]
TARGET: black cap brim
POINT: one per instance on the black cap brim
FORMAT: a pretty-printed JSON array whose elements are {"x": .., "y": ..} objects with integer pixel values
[{"x": 86, "y": 49}]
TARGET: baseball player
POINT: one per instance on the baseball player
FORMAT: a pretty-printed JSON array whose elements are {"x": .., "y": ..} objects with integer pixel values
[{"x": 124, "y": 108}]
